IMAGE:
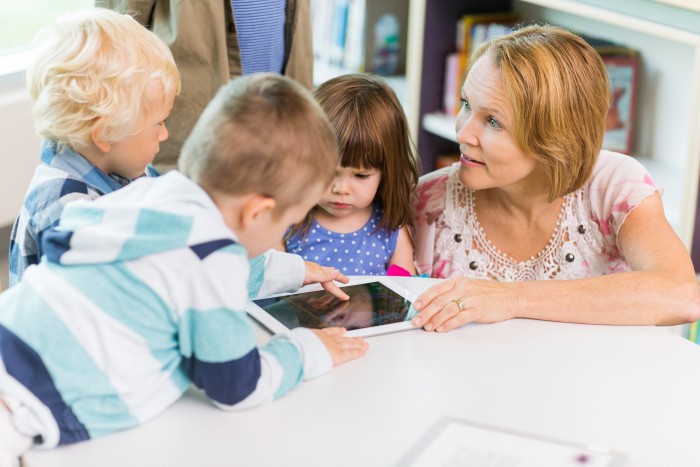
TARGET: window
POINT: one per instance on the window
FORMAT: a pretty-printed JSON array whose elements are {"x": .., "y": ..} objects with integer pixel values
[
  {"x": 20, "y": 22},
  {"x": 24, "y": 18}
]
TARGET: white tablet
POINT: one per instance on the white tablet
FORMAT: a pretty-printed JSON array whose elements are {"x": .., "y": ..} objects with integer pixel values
[{"x": 377, "y": 305}]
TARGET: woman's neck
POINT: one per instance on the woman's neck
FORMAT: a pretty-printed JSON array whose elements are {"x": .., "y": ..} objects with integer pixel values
[
  {"x": 526, "y": 199},
  {"x": 517, "y": 223},
  {"x": 524, "y": 204}
]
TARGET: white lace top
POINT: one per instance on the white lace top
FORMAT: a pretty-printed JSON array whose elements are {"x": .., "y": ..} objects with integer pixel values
[{"x": 449, "y": 240}]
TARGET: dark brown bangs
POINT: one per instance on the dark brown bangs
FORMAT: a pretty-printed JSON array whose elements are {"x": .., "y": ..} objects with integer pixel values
[
  {"x": 360, "y": 142},
  {"x": 361, "y": 152}
]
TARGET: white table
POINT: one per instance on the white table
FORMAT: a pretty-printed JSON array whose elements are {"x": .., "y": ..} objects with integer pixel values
[{"x": 634, "y": 389}]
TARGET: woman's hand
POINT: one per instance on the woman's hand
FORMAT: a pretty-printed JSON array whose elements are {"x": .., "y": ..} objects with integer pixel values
[
  {"x": 326, "y": 275},
  {"x": 457, "y": 301}
]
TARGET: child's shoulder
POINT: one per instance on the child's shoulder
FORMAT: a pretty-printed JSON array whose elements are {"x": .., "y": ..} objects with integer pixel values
[
  {"x": 51, "y": 189},
  {"x": 50, "y": 184}
]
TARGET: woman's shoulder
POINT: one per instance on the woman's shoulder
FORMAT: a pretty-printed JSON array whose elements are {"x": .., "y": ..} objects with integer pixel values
[
  {"x": 618, "y": 184},
  {"x": 614, "y": 167},
  {"x": 432, "y": 187}
]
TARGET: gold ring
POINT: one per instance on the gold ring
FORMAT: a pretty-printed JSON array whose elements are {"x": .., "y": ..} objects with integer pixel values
[{"x": 460, "y": 304}]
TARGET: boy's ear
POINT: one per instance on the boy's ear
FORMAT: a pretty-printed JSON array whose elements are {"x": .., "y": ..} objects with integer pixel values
[
  {"x": 101, "y": 144},
  {"x": 255, "y": 208}
]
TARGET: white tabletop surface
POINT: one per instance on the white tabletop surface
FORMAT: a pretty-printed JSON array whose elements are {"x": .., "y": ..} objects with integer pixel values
[{"x": 633, "y": 389}]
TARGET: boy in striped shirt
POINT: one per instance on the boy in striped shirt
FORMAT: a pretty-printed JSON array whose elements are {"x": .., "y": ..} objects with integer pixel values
[{"x": 143, "y": 291}]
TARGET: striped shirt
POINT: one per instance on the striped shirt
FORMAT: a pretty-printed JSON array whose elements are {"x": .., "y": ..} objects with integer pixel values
[
  {"x": 140, "y": 294},
  {"x": 260, "y": 30},
  {"x": 63, "y": 176}
]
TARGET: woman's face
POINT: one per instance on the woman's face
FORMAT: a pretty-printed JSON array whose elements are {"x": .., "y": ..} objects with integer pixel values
[{"x": 490, "y": 157}]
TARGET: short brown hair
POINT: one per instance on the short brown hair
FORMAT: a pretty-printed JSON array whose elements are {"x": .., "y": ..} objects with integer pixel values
[
  {"x": 373, "y": 134},
  {"x": 558, "y": 88},
  {"x": 262, "y": 133}
]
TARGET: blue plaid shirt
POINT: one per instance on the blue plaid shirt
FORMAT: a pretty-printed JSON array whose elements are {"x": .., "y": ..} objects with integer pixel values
[{"x": 62, "y": 177}]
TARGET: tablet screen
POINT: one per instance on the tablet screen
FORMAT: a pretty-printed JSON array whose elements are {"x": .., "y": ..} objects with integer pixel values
[{"x": 370, "y": 304}]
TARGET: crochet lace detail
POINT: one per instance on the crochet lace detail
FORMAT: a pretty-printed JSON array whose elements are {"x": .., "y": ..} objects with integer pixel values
[{"x": 462, "y": 239}]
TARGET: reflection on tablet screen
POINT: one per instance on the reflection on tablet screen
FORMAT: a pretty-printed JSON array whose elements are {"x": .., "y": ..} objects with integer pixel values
[{"x": 370, "y": 304}]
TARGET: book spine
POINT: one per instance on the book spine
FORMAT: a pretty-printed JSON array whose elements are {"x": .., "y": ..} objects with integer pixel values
[
  {"x": 693, "y": 332},
  {"x": 340, "y": 21},
  {"x": 451, "y": 83}
]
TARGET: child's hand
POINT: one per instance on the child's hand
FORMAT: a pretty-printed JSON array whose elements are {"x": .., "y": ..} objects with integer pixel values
[
  {"x": 342, "y": 349},
  {"x": 326, "y": 275}
]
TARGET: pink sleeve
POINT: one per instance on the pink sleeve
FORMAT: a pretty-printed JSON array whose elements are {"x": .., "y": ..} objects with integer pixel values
[
  {"x": 428, "y": 205},
  {"x": 618, "y": 184}
]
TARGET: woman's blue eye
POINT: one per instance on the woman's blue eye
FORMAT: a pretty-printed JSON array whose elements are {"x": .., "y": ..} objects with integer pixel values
[
  {"x": 465, "y": 105},
  {"x": 494, "y": 123}
]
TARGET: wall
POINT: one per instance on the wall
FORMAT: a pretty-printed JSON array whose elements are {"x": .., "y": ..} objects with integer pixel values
[{"x": 20, "y": 145}]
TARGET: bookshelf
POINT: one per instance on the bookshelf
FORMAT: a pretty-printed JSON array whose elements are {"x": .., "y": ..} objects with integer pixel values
[
  {"x": 324, "y": 71},
  {"x": 345, "y": 40},
  {"x": 666, "y": 139}
]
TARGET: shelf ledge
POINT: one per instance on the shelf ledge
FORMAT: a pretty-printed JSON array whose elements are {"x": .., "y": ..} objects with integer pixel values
[{"x": 440, "y": 124}]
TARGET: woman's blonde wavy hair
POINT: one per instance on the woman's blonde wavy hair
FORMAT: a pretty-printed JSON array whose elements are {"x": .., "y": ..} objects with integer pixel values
[
  {"x": 96, "y": 67},
  {"x": 558, "y": 88}
]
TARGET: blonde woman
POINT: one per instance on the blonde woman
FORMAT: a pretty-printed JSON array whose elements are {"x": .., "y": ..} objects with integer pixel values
[{"x": 536, "y": 221}]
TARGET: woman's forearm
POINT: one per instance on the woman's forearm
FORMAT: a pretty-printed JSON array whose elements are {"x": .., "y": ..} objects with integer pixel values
[{"x": 638, "y": 297}]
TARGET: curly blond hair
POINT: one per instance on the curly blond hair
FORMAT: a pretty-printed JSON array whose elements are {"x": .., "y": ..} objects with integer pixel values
[
  {"x": 558, "y": 88},
  {"x": 96, "y": 67}
]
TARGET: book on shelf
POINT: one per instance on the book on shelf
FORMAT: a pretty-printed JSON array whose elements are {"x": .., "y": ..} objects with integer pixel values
[
  {"x": 482, "y": 32},
  {"x": 619, "y": 124},
  {"x": 472, "y": 31},
  {"x": 467, "y": 23},
  {"x": 338, "y": 32},
  {"x": 610, "y": 48},
  {"x": 455, "y": 63},
  {"x": 354, "y": 53},
  {"x": 358, "y": 36},
  {"x": 322, "y": 22},
  {"x": 693, "y": 332},
  {"x": 622, "y": 64},
  {"x": 386, "y": 36}
]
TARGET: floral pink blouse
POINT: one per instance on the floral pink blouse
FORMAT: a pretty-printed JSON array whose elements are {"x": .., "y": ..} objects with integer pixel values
[{"x": 450, "y": 242}]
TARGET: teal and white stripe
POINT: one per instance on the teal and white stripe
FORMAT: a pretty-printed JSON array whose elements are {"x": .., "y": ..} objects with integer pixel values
[{"x": 133, "y": 311}]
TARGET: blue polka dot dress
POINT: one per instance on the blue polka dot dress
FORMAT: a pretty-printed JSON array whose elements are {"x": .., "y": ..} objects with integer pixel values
[{"x": 364, "y": 252}]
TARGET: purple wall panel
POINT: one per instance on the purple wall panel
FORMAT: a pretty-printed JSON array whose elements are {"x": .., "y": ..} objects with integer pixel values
[{"x": 440, "y": 29}]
